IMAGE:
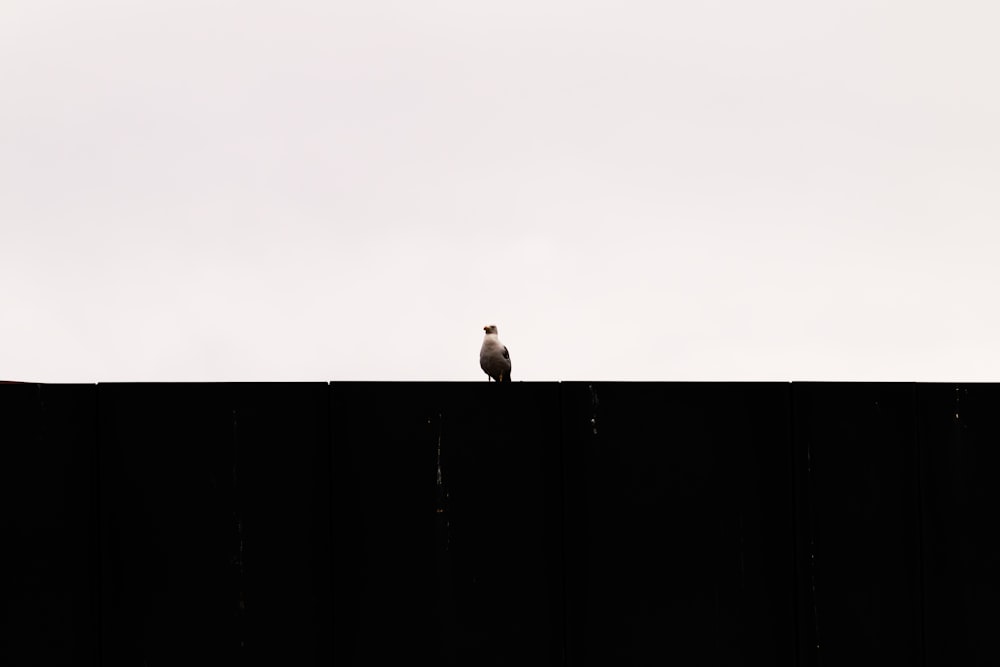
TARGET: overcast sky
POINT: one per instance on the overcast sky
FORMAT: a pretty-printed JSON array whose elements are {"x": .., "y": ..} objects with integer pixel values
[{"x": 313, "y": 190}]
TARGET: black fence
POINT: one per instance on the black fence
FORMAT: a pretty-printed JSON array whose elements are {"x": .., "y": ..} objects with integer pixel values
[{"x": 487, "y": 524}]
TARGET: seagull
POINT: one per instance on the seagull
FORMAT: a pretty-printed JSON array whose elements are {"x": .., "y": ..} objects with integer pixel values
[{"x": 493, "y": 356}]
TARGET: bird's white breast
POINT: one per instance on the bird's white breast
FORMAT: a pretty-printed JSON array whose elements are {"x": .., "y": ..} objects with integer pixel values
[{"x": 491, "y": 345}]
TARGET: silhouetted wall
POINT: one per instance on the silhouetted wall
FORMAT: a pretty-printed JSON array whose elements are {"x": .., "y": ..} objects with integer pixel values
[{"x": 482, "y": 524}]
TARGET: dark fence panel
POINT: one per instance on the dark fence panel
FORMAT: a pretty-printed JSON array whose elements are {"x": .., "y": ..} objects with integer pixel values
[
  {"x": 858, "y": 447},
  {"x": 386, "y": 604},
  {"x": 478, "y": 523},
  {"x": 48, "y": 533},
  {"x": 679, "y": 543},
  {"x": 215, "y": 524},
  {"x": 447, "y": 524},
  {"x": 959, "y": 431}
]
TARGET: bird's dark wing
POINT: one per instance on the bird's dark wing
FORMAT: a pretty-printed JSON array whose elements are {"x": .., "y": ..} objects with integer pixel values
[{"x": 506, "y": 354}]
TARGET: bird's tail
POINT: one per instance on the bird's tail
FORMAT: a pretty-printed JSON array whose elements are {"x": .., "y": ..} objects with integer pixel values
[{"x": 505, "y": 377}]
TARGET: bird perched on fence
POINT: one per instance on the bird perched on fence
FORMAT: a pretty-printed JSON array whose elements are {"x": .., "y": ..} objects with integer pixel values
[{"x": 493, "y": 356}]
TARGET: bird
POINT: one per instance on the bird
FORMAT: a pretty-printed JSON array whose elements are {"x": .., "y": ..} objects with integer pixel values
[{"x": 493, "y": 356}]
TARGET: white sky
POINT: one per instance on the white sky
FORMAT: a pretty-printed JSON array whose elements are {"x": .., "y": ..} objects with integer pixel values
[{"x": 313, "y": 190}]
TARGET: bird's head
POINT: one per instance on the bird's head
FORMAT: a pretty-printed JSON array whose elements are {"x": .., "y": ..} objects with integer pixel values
[{"x": 490, "y": 328}]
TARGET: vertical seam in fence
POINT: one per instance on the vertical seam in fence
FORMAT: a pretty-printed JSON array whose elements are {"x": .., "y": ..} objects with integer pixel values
[
  {"x": 806, "y": 603},
  {"x": 97, "y": 507},
  {"x": 918, "y": 474},
  {"x": 793, "y": 490},
  {"x": 328, "y": 401},
  {"x": 563, "y": 513},
  {"x": 810, "y": 523}
]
